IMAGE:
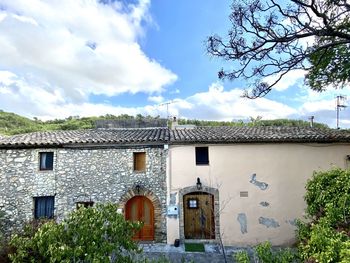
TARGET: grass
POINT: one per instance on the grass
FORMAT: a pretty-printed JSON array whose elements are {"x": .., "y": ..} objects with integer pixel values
[{"x": 194, "y": 247}]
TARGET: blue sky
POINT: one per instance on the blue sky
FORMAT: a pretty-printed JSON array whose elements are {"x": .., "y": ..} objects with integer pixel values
[{"x": 87, "y": 58}]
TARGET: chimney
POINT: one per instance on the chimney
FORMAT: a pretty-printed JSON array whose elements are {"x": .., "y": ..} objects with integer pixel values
[
  {"x": 174, "y": 123},
  {"x": 311, "y": 118}
]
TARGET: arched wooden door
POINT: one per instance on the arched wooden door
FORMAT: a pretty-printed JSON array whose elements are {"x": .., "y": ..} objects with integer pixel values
[
  {"x": 199, "y": 216},
  {"x": 140, "y": 208}
]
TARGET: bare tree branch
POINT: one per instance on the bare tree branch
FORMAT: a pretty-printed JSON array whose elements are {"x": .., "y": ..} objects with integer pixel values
[{"x": 268, "y": 38}]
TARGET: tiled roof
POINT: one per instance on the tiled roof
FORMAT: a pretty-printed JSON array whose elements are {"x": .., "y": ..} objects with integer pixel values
[
  {"x": 98, "y": 136},
  {"x": 257, "y": 135},
  {"x": 158, "y": 136}
]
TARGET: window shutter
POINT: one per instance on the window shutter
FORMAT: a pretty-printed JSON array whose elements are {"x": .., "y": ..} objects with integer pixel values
[{"x": 140, "y": 161}]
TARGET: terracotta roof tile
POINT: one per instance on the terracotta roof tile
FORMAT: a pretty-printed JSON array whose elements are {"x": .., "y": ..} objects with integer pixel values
[
  {"x": 257, "y": 134},
  {"x": 158, "y": 136},
  {"x": 97, "y": 136}
]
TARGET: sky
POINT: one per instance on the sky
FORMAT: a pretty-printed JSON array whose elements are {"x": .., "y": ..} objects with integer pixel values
[{"x": 61, "y": 58}]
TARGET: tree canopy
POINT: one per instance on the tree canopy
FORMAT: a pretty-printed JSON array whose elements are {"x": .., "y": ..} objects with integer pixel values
[{"x": 272, "y": 38}]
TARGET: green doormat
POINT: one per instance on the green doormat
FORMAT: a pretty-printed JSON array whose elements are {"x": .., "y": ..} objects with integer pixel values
[{"x": 194, "y": 247}]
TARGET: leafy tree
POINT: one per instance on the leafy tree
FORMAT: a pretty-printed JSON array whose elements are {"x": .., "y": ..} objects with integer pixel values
[
  {"x": 254, "y": 122},
  {"x": 94, "y": 234},
  {"x": 271, "y": 37},
  {"x": 11, "y": 123}
]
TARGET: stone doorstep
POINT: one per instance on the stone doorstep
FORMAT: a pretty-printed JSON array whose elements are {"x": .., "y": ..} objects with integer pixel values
[
  {"x": 209, "y": 248},
  {"x": 212, "y": 254}
]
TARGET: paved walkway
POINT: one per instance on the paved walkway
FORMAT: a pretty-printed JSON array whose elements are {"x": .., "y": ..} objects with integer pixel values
[{"x": 212, "y": 253}]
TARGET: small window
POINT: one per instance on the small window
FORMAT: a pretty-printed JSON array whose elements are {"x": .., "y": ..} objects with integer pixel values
[
  {"x": 85, "y": 204},
  {"x": 46, "y": 161},
  {"x": 202, "y": 156},
  {"x": 140, "y": 162},
  {"x": 44, "y": 206},
  {"x": 192, "y": 203}
]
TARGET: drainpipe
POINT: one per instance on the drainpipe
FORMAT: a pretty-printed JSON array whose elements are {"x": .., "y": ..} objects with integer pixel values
[{"x": 168, "y": 182}]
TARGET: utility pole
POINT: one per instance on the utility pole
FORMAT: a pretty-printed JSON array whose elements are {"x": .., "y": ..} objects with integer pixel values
[{"x": 340, "y": 105}]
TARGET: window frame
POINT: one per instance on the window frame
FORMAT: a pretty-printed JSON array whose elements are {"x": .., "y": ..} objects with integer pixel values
[
  {"x": 43, "y": 167},
  {"x": 49, "y": 207},
  {"x": 136, "y": 159},
  {"x": 202, "y": 155}
]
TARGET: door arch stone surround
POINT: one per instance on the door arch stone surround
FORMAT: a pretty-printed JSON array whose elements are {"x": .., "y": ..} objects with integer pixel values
[
  {"x": 159, "y": 218},
  {"x": 205, "y": 189}
]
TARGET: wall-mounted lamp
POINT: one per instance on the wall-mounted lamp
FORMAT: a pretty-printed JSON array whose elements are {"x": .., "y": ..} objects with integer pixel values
[
  {"x": 138, "y": 188},
  {"x": 199, "y": 184}
]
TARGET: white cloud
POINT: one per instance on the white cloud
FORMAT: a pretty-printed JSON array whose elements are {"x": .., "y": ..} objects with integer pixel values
[
  {"x": 215, "y": 104},
  {"x": 288, "y": 80},
  {"x": 176, "y": 91},
  {"x": 156, "y": 99},
  {"x": 33, "y": 100},
  {"x": 79, "y": 48},
  {"x": 322, "y": 105},
  {"x": 219, "y": 104}
]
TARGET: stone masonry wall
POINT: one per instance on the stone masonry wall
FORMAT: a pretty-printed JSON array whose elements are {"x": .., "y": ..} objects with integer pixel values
[{"x": 98, "y": 175}]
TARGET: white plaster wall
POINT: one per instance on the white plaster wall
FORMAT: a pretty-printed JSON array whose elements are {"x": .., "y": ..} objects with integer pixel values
[{"x": 284, "y": 167}]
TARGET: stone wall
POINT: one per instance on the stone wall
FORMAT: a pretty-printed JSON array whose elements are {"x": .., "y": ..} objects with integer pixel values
[{"x": 95, "y": 174}]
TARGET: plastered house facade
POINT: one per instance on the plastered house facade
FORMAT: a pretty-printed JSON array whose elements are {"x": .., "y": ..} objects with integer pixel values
[{"x": 242, "y": 184}]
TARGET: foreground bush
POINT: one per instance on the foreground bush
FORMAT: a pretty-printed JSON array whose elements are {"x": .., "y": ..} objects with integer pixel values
[
  {"x": 5, "y": 249},
  {"x": 326, "y": 237},
  {"x": 264, "y": 253},
  {"x": 95, "y": 234}
]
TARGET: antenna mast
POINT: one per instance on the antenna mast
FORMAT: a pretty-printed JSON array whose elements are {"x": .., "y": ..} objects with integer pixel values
[
  {"x": 167, "y": 107},
  {"x": 340, "y": 105}
]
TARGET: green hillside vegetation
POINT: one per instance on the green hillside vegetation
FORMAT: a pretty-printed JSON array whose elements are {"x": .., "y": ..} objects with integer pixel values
[
  {"x": 11, "y": 123},
  {"x": 254, "y": 122}
]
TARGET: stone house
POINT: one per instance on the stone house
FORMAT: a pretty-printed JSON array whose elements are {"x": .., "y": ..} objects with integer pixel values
[
  {"x": 48, "y": 174},
  {"x": 243, "y": 184}
]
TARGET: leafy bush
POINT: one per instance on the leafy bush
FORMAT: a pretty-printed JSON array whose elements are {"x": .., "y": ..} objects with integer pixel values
[
  {"x": 5, "y": 248},
  {"x": 264, "y": 253},
  {"x": 324, "y": 244},
  {"x": 242, "y": 257},
  {"x": 326, "y": 237},
  {"x": 94, "y": 234},
  {"x": 328, "y": 195},
  {"x": 2, "y": 224}
]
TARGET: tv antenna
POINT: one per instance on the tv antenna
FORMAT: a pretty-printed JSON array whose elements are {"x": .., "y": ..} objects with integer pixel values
[
  {"x": 340, "y": 106},
  {"x": 167, "y": 107}
]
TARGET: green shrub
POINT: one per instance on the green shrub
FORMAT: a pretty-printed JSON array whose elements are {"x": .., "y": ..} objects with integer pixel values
[
  {"x": 325, "y": 238},
  {"x": 267, "y": 254},
  {"x": 345, "y": 252},
  {"x": 95, "y": 234},
  {"x": 328, "y": 195},
  {"x": 242, "y": 257},
  {"x": 264, "y": 253},
  {"x": 2, "y": 225},
  {"x": 5, "y": 248}
]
